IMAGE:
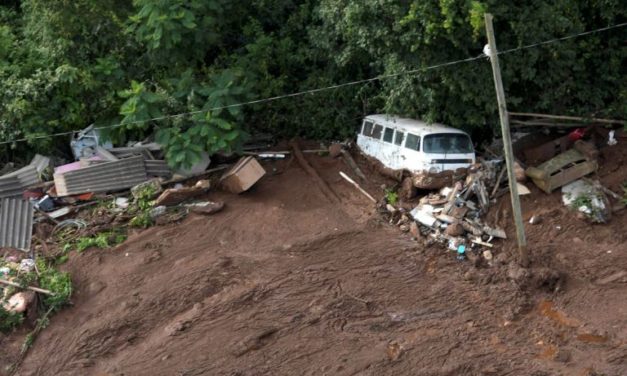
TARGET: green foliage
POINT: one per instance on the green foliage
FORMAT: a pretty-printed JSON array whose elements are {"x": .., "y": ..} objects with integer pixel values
[
  {"x": 67, "y": 64},
  {"x": 102, "y": 240},
  {"x": 57, "y": 282},
  {"x": 391, "y": 196},
  {"x": 9, "y": 320},
  {"x": 142, "y": 220}
]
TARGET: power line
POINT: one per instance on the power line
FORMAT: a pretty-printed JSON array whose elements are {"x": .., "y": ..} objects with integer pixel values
[{"x": 327, "y": 88}]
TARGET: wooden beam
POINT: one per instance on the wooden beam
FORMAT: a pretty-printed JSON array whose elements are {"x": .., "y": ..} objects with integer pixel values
[{"x": 576, "y": 118}]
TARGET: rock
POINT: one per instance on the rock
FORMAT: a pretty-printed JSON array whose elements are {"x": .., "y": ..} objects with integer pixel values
[
  {"x": 454, "y": 229},
  {"x": 174, "y": 196},
  {"x": 153, "y": 186},
  {"x": 404, "y": 228},
  {"x": 390, "y": 208},
  {"x": 335, "y": 150},
  {"x": 18, "y": 303},
  {"x": 487, "y": 255},
  {"x": 394, "y": 350}
]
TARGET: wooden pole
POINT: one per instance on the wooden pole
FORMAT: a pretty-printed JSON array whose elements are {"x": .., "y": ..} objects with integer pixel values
[{"x": 507, "y": 142}]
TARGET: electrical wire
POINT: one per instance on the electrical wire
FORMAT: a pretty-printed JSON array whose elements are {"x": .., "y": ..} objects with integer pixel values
[{"x": 327, "y": 88}]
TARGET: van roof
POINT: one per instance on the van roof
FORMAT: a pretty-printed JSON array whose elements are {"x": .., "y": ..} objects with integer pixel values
[{"x": 417, "y": 127}]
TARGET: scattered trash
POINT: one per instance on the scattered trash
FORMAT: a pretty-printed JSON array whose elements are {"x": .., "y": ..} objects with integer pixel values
[
  {"x": 522, "y": 189},
  {"x": 206, "y": 207},
  {"x": 611, "y": 140},
  {"x": 584, "y": 196},
  {"x": 243, "y": 175},
  {"x": 122, "y": 202}
]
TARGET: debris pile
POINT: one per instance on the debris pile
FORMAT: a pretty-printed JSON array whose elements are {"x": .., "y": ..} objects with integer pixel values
[
  {"x": 453, "y": 216},
  {"x": 92, "y": 202}
]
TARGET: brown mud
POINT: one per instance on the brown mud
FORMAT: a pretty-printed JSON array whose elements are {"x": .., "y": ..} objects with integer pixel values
[{"x": 284, "y": 281}]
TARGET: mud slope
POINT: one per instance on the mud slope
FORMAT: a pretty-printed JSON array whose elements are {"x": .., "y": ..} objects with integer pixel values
[{"x": 284, "y": 282}]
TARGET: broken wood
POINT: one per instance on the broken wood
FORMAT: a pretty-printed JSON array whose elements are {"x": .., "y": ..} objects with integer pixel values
[
  {"x": 32, "y": 288},
  {"x": 498, "y": 181},
  {"x": 326, "y": 190},
  {"x": 481, "y": 242},
  {"x": 352, "y": 164},
  {"x": 358, "y": 187}
]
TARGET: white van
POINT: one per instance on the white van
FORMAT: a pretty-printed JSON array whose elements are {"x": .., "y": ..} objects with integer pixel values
[{"x": 433, "y": 154}]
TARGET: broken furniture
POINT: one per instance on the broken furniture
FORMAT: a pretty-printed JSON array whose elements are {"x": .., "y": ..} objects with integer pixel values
[{"x": 564, "y": 168}]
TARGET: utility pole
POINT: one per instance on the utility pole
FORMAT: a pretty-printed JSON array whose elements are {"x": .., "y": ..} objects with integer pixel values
[{"x": 507, "y": 142}]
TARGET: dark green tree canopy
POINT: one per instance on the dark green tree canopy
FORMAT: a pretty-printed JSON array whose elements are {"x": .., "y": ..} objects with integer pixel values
[{"x": 67, "y": 64}]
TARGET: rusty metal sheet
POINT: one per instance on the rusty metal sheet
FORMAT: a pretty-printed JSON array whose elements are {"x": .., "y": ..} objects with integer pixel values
[
  {"x": 16, "y": 223},
  {"x": 103, "y": 177},
  {"x": 14, "y": 183}
]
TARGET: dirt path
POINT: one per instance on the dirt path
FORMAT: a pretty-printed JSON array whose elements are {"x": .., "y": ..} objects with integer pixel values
[{"x": 285, "y": 282}]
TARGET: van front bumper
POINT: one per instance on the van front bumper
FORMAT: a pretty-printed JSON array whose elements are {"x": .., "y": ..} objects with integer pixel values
[{"x": 437, "y": 180}]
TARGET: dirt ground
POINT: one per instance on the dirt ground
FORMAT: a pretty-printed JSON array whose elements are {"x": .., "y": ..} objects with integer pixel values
[{"x": 285, "y": 281}]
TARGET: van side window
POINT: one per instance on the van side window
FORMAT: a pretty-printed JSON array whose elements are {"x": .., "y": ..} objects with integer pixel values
[
  {"x": 398, "y": 139},
  {"x": 388, "y": 135},
  {"x": 367, "y": 128},
  {"x": 376, "y": 133},
  {"x": 413, "y": 142}
]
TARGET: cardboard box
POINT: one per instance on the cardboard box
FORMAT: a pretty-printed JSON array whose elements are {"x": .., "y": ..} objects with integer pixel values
[{"x": 246, "y": 172}]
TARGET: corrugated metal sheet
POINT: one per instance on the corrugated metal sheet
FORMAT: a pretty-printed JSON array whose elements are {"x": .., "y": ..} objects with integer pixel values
[
  {"x": 157, "y": 168},
  {"x": 16, "y": 223},
  {"x": 103, "y": 177},
  {"x": 14, "y": 183},
  {"x": 125, "y": 152}
]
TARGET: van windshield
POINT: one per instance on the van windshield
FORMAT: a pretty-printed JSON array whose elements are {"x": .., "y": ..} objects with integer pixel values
[{"x": 443, "y": 143}]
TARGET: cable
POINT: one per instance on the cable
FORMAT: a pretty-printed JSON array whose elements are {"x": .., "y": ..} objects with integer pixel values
[
  {"x": 318, "y": 90},
  {"x": 563, "y": 38}
]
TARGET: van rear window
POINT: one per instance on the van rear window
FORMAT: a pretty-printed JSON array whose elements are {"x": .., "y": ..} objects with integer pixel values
[
  {"x": 388, "y": 135},
  {"x": 376, "y": 133},
  {"x": 413, "y": 142},
  {"x": 447, "y": 143},
  {"x": 398, "y": 139},
  {"x": 367, "y": 128}
]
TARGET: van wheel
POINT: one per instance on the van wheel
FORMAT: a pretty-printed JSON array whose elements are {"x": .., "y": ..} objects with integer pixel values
[{"x": 408, "y": 191}]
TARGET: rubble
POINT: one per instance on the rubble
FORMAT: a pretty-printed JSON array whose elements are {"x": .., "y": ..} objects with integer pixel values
[
  {"x": 452, "y": 216},
  {"x": 585, "y": 197}
]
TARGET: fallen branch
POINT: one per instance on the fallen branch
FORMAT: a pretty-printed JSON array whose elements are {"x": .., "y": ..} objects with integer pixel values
[
  {"x": 358, "y": 187},
  {"x": 36, "y": 289}
]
